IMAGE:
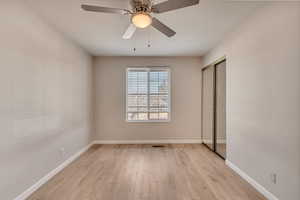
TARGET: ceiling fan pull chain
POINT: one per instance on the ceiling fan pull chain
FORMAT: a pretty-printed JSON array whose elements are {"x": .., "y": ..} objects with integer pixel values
[
  {"x": 149, "y": 38},
  {"x": 134, "y": 45}
]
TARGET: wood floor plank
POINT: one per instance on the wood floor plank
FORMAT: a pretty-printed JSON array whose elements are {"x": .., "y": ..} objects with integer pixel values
[{"x": 141, "y": 172}]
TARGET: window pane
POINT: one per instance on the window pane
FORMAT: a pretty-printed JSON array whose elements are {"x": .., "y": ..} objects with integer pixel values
[
  {"x": 137, "y": 82},
  {"x": 153, "y": 84},
  {"x": 164, "y": 109},
  {"x": 163, "y": 82},
  {"x": 158, "y": 109},
  {"x": 158, "y": 82},
  {"x": 132, "y": 116},
  {"x": 163, "y": 116},
  {"x": 142, "y": 100},
  {"x": 153, "y": 116},
  {"x": 153, "y": 87},
  {"x": 163, "y": 100},
  {"x": 132, "y": 109},
  {"x": 143, "y": 116},
  {"x": 142, "y": 109},
  {"x": 154, "y": 109},
  {"x": 132, "y": 82},
  {"x": 131, "y": 100},
  {"x": 153, "y": 100}
]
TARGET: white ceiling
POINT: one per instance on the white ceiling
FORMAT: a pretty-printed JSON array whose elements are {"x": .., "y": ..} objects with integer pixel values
[{"x": 199, "y": 28}]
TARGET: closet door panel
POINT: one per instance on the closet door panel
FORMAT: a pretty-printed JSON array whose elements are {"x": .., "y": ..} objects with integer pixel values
[
  {"x": 220, "y": 127},
  {"x": 208, "y": 106}
]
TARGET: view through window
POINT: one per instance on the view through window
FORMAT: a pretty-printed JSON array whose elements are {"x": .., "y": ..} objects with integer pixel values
[{"x": 148, "y": 94}]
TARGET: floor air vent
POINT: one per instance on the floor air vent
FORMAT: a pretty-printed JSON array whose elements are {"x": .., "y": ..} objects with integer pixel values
[{"x": 158, "y": 146}]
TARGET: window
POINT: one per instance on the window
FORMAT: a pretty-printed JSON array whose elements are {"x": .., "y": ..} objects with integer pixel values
[{"x": 148, "y": 96}]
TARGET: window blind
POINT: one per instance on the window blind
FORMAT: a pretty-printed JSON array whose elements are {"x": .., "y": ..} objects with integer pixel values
[{"x": 148, "y": 94}]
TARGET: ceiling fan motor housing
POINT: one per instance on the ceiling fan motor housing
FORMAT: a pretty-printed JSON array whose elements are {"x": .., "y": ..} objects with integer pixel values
[{"x": 141, "y": 6}]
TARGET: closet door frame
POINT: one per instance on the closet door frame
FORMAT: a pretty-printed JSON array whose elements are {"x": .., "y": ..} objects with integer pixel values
[{"x": 214, "y": 65}]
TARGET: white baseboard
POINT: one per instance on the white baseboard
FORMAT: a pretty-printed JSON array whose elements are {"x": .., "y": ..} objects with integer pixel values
[
  {"x": 219, "y": 141},
  {"x": 160, "y": 141},
  {"x": 252, "y": 182},
  {"x": 51, "y": 174}
]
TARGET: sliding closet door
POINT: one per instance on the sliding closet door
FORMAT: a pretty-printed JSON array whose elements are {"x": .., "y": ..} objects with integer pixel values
[
  {"x": 208, "y": 106},
  {"x": 220, "y": 118}
]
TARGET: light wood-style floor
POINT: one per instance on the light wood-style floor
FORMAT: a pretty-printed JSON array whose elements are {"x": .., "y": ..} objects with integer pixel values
[
  {"x": 141, "y": 172},
  {"x": 221, "y": 149}
]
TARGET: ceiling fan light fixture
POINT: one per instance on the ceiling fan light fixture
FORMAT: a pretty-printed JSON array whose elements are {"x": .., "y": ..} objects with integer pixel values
[{"x": 141, "y": 20}]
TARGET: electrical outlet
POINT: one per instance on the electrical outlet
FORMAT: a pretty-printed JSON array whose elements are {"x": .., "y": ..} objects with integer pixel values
[
  {"x": 62, "y": 152},
  {"x": 273, "y": 178}
]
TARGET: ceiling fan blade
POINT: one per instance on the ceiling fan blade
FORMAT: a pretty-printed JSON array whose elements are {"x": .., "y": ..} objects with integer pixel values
[
  {"x": 105, "y": 9},
  {"x": 173, "y": 5},
  {"x": 129, "y": 32},
  {"x": 162, "y": 28}
]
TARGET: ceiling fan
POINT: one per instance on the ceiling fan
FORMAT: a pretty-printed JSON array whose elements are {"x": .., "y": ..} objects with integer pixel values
[{"x": 141, "y": 14}]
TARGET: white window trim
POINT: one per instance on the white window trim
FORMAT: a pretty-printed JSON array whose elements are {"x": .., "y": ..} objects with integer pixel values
[{"x": 166, "y": 68}]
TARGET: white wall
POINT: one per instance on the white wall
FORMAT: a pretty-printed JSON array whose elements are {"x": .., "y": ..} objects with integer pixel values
[
  {"x": 45, "y": 89},
  {"x": 263, "y": 97},
  {"x": 110, "y": 83}
]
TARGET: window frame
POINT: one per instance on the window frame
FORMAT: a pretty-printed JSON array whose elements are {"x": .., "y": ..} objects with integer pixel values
[{"x": 149, "y": 68}]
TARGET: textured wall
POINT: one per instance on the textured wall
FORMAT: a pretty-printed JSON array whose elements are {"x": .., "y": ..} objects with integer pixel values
[
  {"x": 110, "y": 86},
  {"x": 263, "y": 95},
  {"x": 45, "y": 98}
]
